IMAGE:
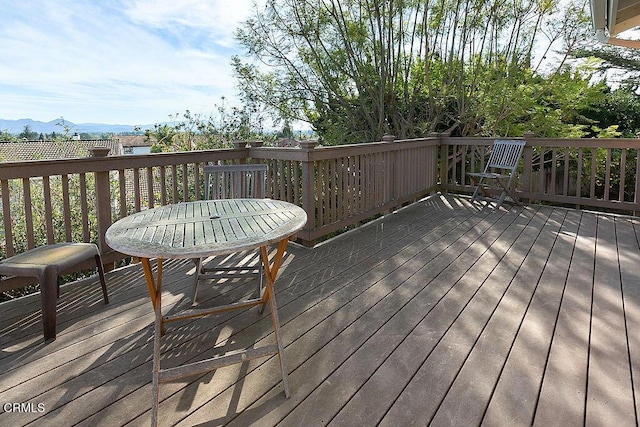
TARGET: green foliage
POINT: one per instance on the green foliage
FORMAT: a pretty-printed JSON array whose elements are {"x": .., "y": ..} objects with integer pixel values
[
  {"x": 5, "y": 136},
  {"x": 358, "y": 69},
  {"x": 66, "y": 129},
  {"x": 199, "y": 132},
  {"x": 619, "y": 108}
]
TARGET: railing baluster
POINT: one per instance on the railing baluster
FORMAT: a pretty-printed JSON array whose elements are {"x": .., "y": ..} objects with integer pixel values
[
  {"x": 554, "y": 171},
  {"x": 150, "y": 184},
  {"x": 6, "y": 218},
  {"x": 319, "y": 198},
  {"x": 66, "y": 208},
  {"x": 594, "y": 163},
  {"x": 163, "y": 186},
  {"x": 174, "y": 184},
  {"x": 282, "y": 177},
  {"x": 607, "y": 175},
  {"x": 327, "y": 196},
  {"x": 542, "y": 174},
  {"x": 622, "y": 174},
  {"x": 296, "y": 183},
  {"x": 566, "y": 166},
  {"x": 580, "y": 171},
  {"x": 185, "y": 183},
  {"x": 137, "y": 190},
  {"x": 48, "y": 211},
  {"x": 84, "y": 208},
  {"x": 122, "y": 187},
  {"x": 196, "y": 176},
  {"x": 28, "y": 212}
]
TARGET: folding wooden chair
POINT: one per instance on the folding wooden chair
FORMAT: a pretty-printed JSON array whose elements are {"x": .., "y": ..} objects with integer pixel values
[
  {"x": 232, "y": 182},
  {"x": 501, "y": 166}
]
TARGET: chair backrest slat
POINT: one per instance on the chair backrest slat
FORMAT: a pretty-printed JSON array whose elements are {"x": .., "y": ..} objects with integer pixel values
[
  {"x": 505, "y": 154},
  {"x": 235, "y": 181}
]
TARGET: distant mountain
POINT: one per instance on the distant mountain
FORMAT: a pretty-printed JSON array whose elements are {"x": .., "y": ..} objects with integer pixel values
[{"x": 17, "y": 126}]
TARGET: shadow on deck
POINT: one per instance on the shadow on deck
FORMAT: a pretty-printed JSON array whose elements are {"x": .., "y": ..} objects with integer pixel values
[{"x": 443, "y": 313}]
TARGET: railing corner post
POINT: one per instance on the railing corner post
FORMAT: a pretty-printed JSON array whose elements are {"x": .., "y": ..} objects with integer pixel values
[
  {"x": 308, "y": 186},
  {"x": 444, "y": 166}
]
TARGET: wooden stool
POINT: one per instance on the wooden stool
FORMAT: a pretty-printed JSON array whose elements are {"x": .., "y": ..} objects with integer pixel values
[{"x": 46, "y": 264}]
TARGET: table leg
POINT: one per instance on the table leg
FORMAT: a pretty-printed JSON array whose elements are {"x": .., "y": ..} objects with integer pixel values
[
  {"x": 271, "y": 269},
  {"x": 271, "y": 272},
  {"x": 155, "y": 292}
]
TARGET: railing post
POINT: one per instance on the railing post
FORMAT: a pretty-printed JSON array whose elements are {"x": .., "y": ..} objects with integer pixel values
[
  {"x": 103, "y": 201},
  {"x": 256, "y": 144},
  {"x": 527, "y": 164},
  {"x": 392, "y": 178},
  {"x": 237, "y": 145},
  {"x": 308, "y": 192},
  {"x": 444, "y": 161}
]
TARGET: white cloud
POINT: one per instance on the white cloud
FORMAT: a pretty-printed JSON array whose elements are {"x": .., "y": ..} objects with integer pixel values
[
  {"x": 129, "y": 62},
  {"x": 217, "y": 18}
]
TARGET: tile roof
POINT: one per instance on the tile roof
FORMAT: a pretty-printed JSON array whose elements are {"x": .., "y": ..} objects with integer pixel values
[
  {"x": 134, "y": 141},
  {"x": 51, "y": 150}
]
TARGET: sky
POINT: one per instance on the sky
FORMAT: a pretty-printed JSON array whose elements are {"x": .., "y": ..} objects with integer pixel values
[{"x": 131, "y": 62}]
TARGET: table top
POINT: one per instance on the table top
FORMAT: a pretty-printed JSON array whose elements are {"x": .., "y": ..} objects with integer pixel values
[{"x": 205, "y": 228}]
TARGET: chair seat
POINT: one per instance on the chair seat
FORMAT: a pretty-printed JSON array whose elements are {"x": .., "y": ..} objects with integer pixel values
[
  {"x": 489, "y": 175},
  {"x": 35, "y": 262}
]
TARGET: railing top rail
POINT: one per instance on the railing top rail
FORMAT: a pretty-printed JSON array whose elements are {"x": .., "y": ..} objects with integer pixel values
[
  {"x": 321, "y": 152},
  {"x": 37, "y": 168},
  {"x": 551, "y": 142}
]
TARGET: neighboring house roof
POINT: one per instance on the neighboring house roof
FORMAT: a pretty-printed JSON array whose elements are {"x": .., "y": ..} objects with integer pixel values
[
  {"x": 51, "y": 150},
  {"x": 134, "y": 141},
  {"x": 287, "y": 142}
]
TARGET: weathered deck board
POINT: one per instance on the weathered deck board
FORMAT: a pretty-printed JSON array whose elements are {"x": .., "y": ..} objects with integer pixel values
[
  {"x": 515, "y": 394},
  {"x": 609, "y": 388},
  {"x": 562, "y": 396},
  {"x": 441, "y": 314},
  {"x": 424, "y": 341}
]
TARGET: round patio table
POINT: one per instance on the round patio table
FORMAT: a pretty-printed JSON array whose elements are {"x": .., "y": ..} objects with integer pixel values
[{"x": 198, "y": 230}]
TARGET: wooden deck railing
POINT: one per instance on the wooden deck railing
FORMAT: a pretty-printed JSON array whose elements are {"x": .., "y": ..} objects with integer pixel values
[
  {"x": 47, "y": 201},
  {"x": 78, "y": 199},
  {"x": 599, "y": 173},
  {"x": 341, "y": 186}
]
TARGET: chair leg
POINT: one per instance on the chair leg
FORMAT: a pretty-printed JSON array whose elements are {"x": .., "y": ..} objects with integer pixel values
[
  {"x": 478, "y": 185},
  {"x": 500, "y": 200},
  {"x": 49, "y": 299},
  {"x": 103, "y": 282}
]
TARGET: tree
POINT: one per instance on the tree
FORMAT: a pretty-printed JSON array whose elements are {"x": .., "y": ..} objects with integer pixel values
[
  {"x": 5, "y": 136},
  {"x": 196, "y": 131},
  {"x": 28, "y": 134},
  {"x": 620, "y": 67},
  {"x": 358, "y": 69}
]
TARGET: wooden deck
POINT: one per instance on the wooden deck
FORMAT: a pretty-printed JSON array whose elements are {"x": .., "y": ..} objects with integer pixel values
[{"x": 440, "y": 314}]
